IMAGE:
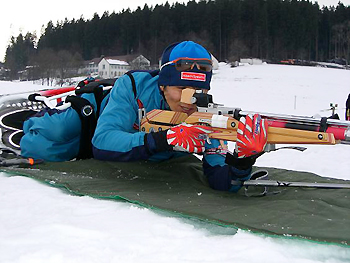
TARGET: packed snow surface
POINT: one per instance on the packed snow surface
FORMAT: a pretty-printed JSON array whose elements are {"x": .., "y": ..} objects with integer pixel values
[{"x": 44, "y": 224}]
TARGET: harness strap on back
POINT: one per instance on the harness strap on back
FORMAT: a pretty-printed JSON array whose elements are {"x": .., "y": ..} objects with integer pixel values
[
  {"x": 133, "y": 83},
  {"x": 86, "y": 112},
  {"x": 96, "y": 87},
  {"x": 139, "y": 102},
  {"x": 88, "y": 124}
]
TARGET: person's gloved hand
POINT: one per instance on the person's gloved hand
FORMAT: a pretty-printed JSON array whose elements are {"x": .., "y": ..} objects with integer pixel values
[
  {"x": 251, "y": 136},
  {"x": 183, "y": 137},
  {"x": 251, "y": 141},
  {"x": 188, "y": 138}
]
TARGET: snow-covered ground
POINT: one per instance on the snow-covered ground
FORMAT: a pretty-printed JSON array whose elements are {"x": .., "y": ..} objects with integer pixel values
[{"x": 43, "y": 224}]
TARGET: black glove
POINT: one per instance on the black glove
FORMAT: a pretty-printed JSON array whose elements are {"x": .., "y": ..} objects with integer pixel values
[
  {"x": 241, "y": 163},
  {"x": 157, "y": 142}
]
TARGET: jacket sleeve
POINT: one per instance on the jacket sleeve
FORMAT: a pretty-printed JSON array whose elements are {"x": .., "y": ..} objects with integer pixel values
[
  {"x": 51, "y": 135},
  {"x": 115, "y": 139},
  {"x": 220, "y": 175}
]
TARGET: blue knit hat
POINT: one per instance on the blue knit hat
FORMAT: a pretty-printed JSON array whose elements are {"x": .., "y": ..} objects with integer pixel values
[{"x": 170, "y": 76}]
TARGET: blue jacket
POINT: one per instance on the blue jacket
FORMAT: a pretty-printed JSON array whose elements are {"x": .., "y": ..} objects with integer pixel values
[
  {"x": 116, "y": 138},
  {"x": 54, "y": 135}
]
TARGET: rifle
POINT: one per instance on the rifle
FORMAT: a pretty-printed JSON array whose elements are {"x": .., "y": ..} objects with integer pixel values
[{"x": 283, "y": 129}]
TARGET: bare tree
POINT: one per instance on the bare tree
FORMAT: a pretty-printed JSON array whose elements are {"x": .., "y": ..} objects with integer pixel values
[
  {"x": 238, "y": 50},
  {"x": 45, "y": 65}
]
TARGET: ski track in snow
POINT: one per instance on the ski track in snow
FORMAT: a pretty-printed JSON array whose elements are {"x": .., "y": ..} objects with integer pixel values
[{"x": 44, "y": 224}]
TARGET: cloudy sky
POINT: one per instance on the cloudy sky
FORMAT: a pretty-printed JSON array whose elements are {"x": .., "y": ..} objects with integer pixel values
[{"x": 22, "y": 15}]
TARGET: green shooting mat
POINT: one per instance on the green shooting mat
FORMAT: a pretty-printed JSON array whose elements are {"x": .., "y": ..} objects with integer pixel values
[{"x": 179, "y": 186}]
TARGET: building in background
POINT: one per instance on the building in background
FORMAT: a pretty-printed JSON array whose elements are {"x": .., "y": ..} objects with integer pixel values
[
  {"x": 115, "y": 66},
  {"x": 91, "y": 66},
  {"x": 112, "y": 68},
  {"x": 251, "y": 61}
]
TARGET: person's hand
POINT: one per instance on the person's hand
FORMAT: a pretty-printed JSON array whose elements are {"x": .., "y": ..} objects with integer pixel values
[
  {"x": 188, "y": 138},
  {"x": 251, "y": 136},
  {"x": 250, "y": 143}
]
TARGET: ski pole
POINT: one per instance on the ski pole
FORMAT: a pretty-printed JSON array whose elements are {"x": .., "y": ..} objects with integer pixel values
[
  {"x": 20, "y": 161},
  {"x": 277, "y": 183}
]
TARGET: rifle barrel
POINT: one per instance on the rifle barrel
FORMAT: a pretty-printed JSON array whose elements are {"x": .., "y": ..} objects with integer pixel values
[
  {"x": 299, "y": 119},
  {"x": 340, "y": 129}
]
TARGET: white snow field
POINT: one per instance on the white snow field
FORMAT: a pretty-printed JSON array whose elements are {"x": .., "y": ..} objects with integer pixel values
[{"x": 42, "y": 224}]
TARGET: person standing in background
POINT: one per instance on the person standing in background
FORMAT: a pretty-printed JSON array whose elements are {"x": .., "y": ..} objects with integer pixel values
[{"x": 347, "y": 112}]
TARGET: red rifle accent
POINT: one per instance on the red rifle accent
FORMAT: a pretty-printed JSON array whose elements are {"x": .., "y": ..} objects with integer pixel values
[
  {"x": 338, "y": 132},
  {"x": 53, "y": 92}
]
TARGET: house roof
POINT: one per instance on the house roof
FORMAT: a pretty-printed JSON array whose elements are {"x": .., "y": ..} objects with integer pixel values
[
  {"x": 127, "y": 58},
  {"x": 116, "y": 62},
  {"x": 93, "y": 61}
]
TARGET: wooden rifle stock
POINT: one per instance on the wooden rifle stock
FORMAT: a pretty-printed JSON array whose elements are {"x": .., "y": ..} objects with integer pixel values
[{"x": 225, "y": 127}]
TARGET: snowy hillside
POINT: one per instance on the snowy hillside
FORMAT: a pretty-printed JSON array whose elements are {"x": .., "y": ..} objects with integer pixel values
[{"x": 39, "y": 223}]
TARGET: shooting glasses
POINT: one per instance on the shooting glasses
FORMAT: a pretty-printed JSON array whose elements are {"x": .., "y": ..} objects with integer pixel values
[{"x": 182, "y": 64}]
